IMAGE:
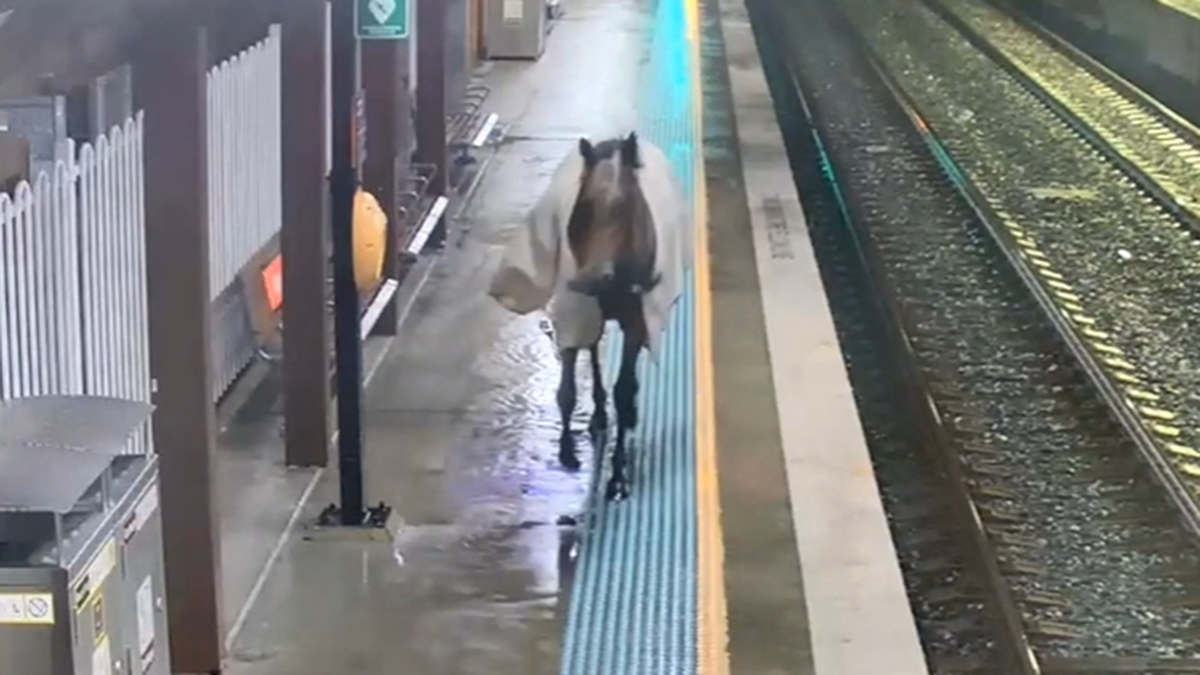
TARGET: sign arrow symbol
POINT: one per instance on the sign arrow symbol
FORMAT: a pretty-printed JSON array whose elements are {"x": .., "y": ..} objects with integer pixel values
[{"x": 382, "y": 10}]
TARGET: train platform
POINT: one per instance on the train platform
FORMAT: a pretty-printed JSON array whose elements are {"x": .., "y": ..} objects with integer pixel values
[{"x": 754, "y": 542}]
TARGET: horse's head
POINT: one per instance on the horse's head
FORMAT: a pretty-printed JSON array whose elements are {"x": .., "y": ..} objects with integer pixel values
[{"x": 611, "y": 233}]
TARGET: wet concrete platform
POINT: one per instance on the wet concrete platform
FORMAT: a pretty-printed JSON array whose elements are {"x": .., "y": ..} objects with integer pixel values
[
  {"x": 461, "y": 425},
  {"x": 259, "y": 497}
]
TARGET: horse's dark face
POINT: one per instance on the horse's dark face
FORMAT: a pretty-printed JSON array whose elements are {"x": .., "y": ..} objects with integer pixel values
[{"x": 611, "y": 234}]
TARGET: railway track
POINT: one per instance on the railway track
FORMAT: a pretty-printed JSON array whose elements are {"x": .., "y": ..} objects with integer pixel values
[
  {"x": 1065, "y": 539},
  {"x": 920, "y": 515},
  {"x": 1156, "y": 148},
  {"x": 1126, "y": 254}
]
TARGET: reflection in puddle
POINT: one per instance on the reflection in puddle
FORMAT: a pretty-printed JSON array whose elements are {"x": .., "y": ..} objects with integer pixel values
[{"x": 498, "y": 538}]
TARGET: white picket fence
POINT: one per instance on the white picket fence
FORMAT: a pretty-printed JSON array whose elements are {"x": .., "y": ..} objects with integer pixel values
[
  {"x": 41, "y": 327},
  {"x": 73, "y": 318},
  {"x": 245, "y": 157},
  {"x": 245, "y": 191},
  {"x": 116, "y": 327}
]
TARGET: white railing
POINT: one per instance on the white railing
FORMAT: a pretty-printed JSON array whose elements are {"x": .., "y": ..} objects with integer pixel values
[
  {"x": 112, "y": 257},
  {"x": 41, "y": 329},
  {"x": 245, "y": 158},
  {"x": 73, "y": 302}
]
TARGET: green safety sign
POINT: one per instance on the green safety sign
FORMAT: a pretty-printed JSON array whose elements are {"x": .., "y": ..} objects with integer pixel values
[{"x": 382, "y": 19}]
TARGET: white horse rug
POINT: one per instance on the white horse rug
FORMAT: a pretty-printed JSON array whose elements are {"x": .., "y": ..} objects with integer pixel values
[{"x": 537, "y": 262}]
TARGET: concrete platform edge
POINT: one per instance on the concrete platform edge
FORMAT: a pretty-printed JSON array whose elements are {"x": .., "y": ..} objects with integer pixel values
[
  {"x": 409, "y": 290},
  {"x": 859, "y": 616}
]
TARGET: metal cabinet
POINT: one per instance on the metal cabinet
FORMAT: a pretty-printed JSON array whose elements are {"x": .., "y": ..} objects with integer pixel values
[
  {"x": 515, "y": 29},
  {"x": 81, "y": 570}
]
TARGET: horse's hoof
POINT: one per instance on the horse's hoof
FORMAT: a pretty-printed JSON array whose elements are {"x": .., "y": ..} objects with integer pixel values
[
  {"x": 599, "y": 423},
  {"x": 616, "y": 490},
  {"x": 566, "y": 454}
]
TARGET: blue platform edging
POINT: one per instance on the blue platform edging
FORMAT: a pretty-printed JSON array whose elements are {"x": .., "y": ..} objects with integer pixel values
[{"x": 634, "y": 602}]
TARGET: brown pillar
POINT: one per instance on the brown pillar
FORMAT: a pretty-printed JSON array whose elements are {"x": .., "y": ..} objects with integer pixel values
[
  {"x": 381, "y": 79},
  {"x": 431, "y": 97},
  {"x": 169, "y": 85},
  {"x": 306, "y": 350},
  {"x": 478, "y": 46}
]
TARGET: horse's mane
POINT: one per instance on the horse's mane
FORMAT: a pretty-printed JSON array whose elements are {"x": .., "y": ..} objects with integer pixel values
[{"x": 610, "y": 193}]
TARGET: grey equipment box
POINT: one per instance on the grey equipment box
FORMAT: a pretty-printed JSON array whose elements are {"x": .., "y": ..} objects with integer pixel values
[
  {"x": 515, "y": 29},
  {"x": 81, "y": 569}
]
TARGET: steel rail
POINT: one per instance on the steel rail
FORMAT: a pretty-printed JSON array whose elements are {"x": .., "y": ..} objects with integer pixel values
[
  {"x": 1088, "y": 133},
  {"x": 1181, "y": 496},
  {"x": 1005, "y": 613}
]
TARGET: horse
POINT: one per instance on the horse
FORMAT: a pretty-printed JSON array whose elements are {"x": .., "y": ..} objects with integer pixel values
[
  {"x": 608, "y": 241},
  {"x": 610, "y": 236}
]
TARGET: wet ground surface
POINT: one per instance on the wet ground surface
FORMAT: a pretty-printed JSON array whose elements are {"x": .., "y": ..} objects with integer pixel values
[
  {"x": 461, "y": 423},
  {"x": 461, "y": 427}
]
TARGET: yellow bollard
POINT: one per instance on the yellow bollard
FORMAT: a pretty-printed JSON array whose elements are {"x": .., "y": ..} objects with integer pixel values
[{"x": 370, "y": 242}]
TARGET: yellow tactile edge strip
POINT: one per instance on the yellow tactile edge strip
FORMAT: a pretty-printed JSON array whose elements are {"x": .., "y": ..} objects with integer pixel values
[{"x": 712, "y": 624}]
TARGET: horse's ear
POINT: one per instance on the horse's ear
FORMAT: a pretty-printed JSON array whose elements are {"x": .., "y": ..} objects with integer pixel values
[
  {"x": 588, "y": 152},
  {"x": 630, "y": 156}
]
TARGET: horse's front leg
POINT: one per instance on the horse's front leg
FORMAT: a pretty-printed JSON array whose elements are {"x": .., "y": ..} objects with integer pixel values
[
  {"x": 599, "y": 397},
  {"x": 566, "y": 407},
  {"x": 625, "y": 397}
]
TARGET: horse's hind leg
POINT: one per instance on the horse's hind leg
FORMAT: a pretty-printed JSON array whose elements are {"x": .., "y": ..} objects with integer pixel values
[
  {"x": 599, "y": 397},
  {"x": 566, "y": 407},
  {"x": 625, "y": 397}
]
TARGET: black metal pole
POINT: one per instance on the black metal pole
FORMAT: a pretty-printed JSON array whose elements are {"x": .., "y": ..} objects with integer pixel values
[{"x": 343, "y": 184}]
